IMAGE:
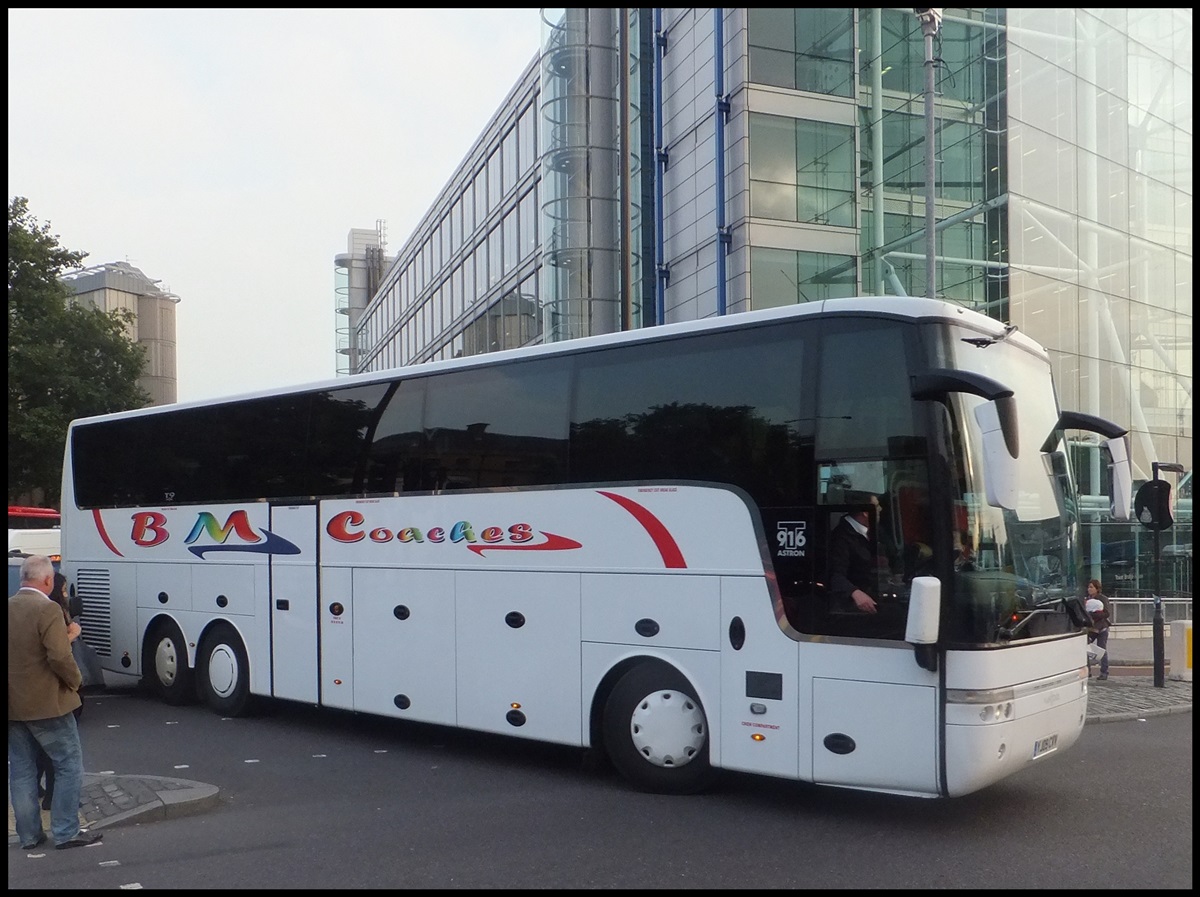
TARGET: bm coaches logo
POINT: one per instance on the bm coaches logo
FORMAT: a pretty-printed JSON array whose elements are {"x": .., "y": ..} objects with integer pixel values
[{"x": 150, "y": 529}]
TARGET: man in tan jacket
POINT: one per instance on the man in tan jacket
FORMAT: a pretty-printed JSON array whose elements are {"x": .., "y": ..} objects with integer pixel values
[{"x": 43, "y": 692}]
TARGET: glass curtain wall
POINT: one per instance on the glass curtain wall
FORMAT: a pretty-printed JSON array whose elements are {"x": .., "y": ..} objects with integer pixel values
[
  {"x": 582, "y": 173},
  {"x": 1101, "y": 183},
  {"x": 870, "y": 176}
]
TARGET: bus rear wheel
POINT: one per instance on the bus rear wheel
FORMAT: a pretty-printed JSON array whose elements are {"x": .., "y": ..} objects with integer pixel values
[
  {"x": 223, "y": 671},
  {"x": 655, "y": 731},
  {"x": 165, "y": 664}
]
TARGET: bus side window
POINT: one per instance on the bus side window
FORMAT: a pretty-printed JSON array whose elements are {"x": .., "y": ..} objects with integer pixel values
[{"x": 394, "y": 458}]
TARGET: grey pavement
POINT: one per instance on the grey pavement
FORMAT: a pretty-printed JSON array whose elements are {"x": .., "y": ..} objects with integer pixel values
[
  {"x": 1124, "y": 696},
  {"x": 110, "y": 800}
]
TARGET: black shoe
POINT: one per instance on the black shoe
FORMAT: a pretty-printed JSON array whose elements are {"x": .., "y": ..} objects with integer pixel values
[
  {"x": 1102, "y": 677},
  {"x": 83, "y": 839},
  {"x": 41, "y": 839}
]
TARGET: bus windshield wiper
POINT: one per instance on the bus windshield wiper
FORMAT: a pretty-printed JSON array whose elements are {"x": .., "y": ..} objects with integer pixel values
[{"x": 1009, "y": 633}]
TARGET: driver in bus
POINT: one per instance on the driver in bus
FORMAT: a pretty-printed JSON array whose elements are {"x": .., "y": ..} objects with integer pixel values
[
  {"x": 862, "y": 599},
  {"x": 853, "y": 564}
]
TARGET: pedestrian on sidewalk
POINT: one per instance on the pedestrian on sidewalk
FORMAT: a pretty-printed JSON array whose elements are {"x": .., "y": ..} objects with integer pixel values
[
  {"x": 43, "y": 692},
  {"x": 1098, "y": 609},
  {"x": 45, "y": 766}
]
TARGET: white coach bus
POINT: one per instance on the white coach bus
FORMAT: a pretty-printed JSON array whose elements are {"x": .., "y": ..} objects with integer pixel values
[{"x": 620, "y": 543}]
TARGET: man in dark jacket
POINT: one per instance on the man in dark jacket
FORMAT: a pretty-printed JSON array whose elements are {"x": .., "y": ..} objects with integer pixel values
[
  {"x": 859, "y": 609},
  {"x": 853, "y": 574}
]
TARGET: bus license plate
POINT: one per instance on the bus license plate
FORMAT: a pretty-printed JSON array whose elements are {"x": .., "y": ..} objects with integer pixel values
[{"x": 1045, "y": 745}]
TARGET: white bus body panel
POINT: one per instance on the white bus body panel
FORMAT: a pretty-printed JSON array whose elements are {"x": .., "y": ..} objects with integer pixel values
[
  {"x": 518, "y": 649},
  {"x": 456, "y": 609},
  {"x": 685, "y": 610},
  {"x": 404, "y": 644},
  {"x": 178, "y": 562},
  {"x": 337, "y": 637},
  {"x": 880, "y": 703},
  {"x": 294, "y": 606},
  {"x": 635, "y": 529},
  {"x": 529, "y": 584},
  {"x": 994, "y": 732},
  {"x": 779, "y": 711},
  {"x": 164, "y": 587}
]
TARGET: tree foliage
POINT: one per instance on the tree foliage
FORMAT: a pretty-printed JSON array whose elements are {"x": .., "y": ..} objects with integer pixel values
[{"x": 65, "y": 360}]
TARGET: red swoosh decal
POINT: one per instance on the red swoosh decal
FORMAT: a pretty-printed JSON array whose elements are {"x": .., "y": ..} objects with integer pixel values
[
  {"x": 663, "y": 540},
  {"x": 104, "y": 533},
  {"x": 553, "y": 543}
]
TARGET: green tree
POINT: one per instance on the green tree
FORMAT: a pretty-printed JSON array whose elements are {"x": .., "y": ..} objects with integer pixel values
[{"x": 65, "y": 360}]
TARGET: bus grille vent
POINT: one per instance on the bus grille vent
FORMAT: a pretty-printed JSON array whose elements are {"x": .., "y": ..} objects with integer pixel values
[{"x": 94, "y": 590}]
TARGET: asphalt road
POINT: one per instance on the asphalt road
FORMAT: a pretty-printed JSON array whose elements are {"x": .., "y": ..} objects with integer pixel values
[{"x": 322, "y": 799}]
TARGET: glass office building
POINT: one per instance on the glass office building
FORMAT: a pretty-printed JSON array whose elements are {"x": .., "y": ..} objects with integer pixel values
[{"x": 667, "y": 164}]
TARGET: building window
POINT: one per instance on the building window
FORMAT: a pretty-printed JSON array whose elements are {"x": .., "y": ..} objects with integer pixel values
[
  {"x": 789, "y": 277},
  {"x": 495, "y": 184},
  {"x": 801, "y": 170},
  {"x": 803, "y": 49},
  {"x": 529, "y": 224},
  {"x": 510, "y": 160},
  {"x": 527, "y": 129},
  {"x": 512, "y": 245}
]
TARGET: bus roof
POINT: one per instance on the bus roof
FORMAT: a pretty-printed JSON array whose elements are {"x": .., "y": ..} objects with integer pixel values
[{"x": 911, "y": 307}]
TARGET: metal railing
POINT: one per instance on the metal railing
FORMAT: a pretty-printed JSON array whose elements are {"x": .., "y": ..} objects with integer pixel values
[{"x": 1135, "y": 611}]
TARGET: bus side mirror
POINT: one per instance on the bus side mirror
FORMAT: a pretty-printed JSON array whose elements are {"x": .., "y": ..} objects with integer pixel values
[
  {"x": 997, "y": 419},
  {"x": 924, "y": 616},
  {"x": 1122, "y": 477},
  {"x": 1000, "y": 477},
  {"x": 1077, "y": 613}
]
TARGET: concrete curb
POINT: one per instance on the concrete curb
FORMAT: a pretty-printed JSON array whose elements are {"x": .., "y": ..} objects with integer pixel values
[
  {"x": 110, "y": 800},
  {"x": 1139, "y": 714}
]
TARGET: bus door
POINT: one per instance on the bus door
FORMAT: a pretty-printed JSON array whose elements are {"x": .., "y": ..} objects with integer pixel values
[
  {"x": 294, "y": 603},
  {"x": 874, "y": 709},
  {"x": 875, "y": 717}
]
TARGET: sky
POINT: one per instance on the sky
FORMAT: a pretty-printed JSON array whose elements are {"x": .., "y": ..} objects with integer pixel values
[{"x": 228, "y": 153}]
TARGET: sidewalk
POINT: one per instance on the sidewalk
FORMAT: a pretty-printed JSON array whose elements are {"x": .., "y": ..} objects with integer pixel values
[
  {"x": 110, "y": 800},
  {"x": 1123, "y": 696}
]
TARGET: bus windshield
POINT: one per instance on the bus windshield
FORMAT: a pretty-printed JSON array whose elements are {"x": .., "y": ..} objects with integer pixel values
[{"x": 1012, "y": 567}]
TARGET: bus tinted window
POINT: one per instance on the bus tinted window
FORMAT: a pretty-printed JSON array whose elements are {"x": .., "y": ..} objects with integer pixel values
[
  {"x": 397, "y": 451},
  {"x": 275, "y": 447},
  {"x": 504, "y": 426},
  {"x": 727, "y": 409},
  {"x": 330, "y": 454},
  {"x": 866, "y": 406}
]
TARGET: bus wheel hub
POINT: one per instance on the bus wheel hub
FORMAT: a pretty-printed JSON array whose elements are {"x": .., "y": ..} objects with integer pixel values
[
  {"x": 222, "y": 671},
  {"x": 667, "y": 728}
]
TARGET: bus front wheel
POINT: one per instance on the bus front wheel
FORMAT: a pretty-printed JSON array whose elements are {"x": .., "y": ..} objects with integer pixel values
[
  {"x": 655, "y": 731},
  {"x": 165, "y": 664},
  {"x": 223, "y": 672}
]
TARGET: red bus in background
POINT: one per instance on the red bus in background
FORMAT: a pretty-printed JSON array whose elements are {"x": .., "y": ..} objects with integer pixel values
[
  {"x": 31, "y": 531},
  {"x": 20, "y": 517}
]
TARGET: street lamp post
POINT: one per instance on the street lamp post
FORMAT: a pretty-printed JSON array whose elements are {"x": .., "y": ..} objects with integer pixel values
[{"x": 931, "y": 19}]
